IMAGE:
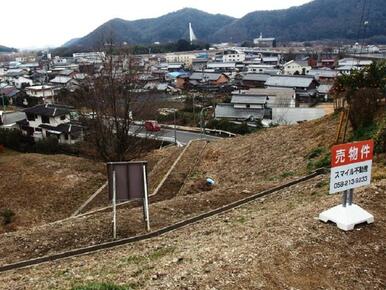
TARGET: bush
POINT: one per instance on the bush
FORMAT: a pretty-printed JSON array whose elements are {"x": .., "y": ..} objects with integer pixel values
[
  {"x": 318, "y": 157},
  {"x": 7, "y": 216},
  {"x": 49, "y": 145},
  {"x": 14, "y": 139},
  {"x": 316, "y": 152}
]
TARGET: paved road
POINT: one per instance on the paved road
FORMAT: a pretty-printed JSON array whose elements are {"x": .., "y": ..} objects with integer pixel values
[{"x": 183, "y": 137}]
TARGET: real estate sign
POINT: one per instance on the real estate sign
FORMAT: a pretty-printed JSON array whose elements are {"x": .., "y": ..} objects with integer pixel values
[{"x": 351, "y": 165}]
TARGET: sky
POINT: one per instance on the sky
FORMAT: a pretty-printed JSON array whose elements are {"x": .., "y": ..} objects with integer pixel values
[{"x": 43, "y": 23}]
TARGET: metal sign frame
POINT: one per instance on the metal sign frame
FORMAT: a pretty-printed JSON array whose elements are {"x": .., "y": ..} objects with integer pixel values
[{"x": 127, "y": 180}]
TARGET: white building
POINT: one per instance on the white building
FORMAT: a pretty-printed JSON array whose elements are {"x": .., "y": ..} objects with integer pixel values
[
  {"x": 185, "y": 58},
  {"x": 44, "y": 121},
  {"x": 264, "y": 42},
  {"x": 263, "y": 68},
  {"x": 296, "y": 68},
  {"x": 45, "y": 93},
  {"x": 22, "y": 81},
  {"x": 231, "y": 55}
]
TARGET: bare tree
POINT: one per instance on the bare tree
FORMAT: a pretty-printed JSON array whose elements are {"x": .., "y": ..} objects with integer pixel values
[{"x": 105, "y": 102}]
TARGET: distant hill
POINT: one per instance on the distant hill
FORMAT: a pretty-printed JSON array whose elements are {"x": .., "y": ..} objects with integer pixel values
[
  {"x": 7, "y": 49},
  {"x": 317, "y": 20},
  {"x": 167, "y": 28},
  {"x": 71, "y": 42}
]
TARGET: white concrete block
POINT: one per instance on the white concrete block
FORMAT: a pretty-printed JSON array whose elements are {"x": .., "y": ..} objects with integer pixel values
[{"x": 346, "y": 217}]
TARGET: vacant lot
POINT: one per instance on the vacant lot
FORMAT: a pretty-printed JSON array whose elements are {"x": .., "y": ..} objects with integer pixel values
[
  {"x": 273, "y": 243},
  {"x": 44, "y": 188}
]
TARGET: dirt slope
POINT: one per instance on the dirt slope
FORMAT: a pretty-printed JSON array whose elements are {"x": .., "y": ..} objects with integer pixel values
[
  {"x": 273, "y": 243},
  {"x": 240, "y": 166},
  {"x": 45, "y": 188}
]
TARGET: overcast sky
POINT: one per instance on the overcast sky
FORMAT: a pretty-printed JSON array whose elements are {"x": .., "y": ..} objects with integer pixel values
[{"x": 40, "y": 23}]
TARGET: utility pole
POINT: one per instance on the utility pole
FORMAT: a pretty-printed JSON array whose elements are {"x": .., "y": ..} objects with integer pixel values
[
  {"x": 194, "y": 111},
  {"x": 175, "y": 127},
  {"x": 2, "y": 99},
  {"x": 202, "y": 125}
]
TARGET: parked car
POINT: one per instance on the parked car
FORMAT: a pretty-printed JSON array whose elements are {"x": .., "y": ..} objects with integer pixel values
[{"x": 152, "y": 126}]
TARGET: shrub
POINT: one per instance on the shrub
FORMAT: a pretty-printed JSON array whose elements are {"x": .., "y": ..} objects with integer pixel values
[
  {"x": 7, "y": 216},
  {"x": 316, "y": 152},
  {"x": 47, "y": 146},
  {"x": 14, "y": 139}
]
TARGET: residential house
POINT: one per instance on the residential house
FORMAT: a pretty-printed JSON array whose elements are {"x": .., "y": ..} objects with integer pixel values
[
  {"x": 263, "y": 69},
  {"x": 184, "y": 58},
  {"x": 324, "y": 91},
  {"x": 221, "y": 66},
  {"x": 323, "y": 74},
  {"x": 297, "y": 67},
  {"x": 232, "y": 55},
  {"x": 199, "y": 64},
  {"x": 208, "y": 78},
  {"x": 43, "y": 94},
  {"x": 271, "y": 60},
  {"x": 9, "y": 94},
  {"x": 13, "y": 74},
  {"x": 327, "y": 62},
  {"x": 44, "y": 121},
  {"x": 277, "y": 97},
  {"x": 244, "y": 108},
  {"x": 89, "y": 57},
  {"x": 353, "y": 62},
  {"x": 22, "y": 82},
  {"x": 304, "y": 86},
  {"x": 64, "y": 82},
  {"x": 9, "y": 120},
  {"x": 252, "y": 80},
  {"x": 182, "y": 81}
]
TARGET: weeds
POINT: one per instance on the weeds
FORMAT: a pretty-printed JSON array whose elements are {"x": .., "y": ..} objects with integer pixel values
[
  {"x": 318, "y": 158},
  {"x": 287, "y": 174},
  {"x": 7, "y": 216}
]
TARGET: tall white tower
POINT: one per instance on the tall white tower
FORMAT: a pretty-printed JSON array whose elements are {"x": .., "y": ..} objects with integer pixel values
[{"x": 192, "y": 36}]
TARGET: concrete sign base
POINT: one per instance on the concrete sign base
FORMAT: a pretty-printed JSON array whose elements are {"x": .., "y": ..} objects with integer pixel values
[{"x": 346, "y": 217}]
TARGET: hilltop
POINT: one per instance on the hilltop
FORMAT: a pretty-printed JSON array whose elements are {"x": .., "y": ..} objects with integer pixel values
[
  {"x": 7, "y": 49},
  {"x": 317, "y": 20}
]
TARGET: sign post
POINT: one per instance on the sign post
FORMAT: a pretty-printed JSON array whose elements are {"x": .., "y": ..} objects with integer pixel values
[
  {"x": 351, "y": 165},
  {"x": 114, "y": 205},
  {"x": 127, "y": 181}
]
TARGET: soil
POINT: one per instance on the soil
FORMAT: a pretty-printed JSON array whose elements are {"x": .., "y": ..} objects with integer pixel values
[
  {"x": 270, "y": 244},
  {"x": 240, "y": 167},
  {"x": 276, "y": 242},
  {"x": 44, "y": 188}
]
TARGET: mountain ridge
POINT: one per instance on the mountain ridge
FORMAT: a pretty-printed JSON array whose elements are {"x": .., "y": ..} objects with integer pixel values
[
  {"x": 316, "y": 20},
  {"x": 7, "y": 49}
]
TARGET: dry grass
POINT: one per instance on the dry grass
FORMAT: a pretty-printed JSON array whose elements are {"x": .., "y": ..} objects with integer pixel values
[{"x": 45, "y": 188}]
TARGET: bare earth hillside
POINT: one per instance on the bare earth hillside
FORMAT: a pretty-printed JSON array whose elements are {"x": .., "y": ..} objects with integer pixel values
[
  {"x": 273, "y": 243},
  {"x": 44, "y": 188}
]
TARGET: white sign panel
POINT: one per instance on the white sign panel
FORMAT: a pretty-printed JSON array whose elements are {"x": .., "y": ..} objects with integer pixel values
[{"x": 351, "y": 165}]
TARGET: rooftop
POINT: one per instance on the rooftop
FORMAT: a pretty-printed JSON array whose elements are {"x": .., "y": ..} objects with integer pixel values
[
  {"x": 289, "y": 81},
  {"x": 48, "y": 110}
]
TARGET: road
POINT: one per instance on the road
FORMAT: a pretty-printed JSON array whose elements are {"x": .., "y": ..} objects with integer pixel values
[{"x": 183, "y": 137}]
